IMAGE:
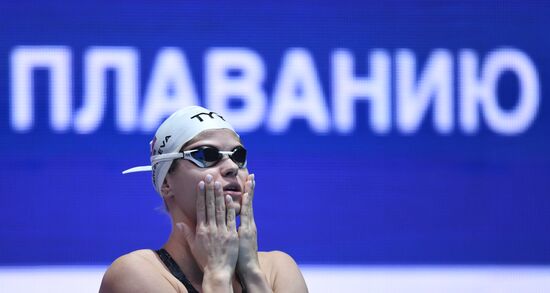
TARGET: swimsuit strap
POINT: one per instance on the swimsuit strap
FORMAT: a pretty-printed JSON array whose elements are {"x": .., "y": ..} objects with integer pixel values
[{"x": 171, "y": 264}]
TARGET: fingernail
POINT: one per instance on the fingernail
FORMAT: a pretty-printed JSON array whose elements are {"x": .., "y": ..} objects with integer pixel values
[
  {"x": 228, "y": 198},
  {"x": 217, "y": 185},
  {"x": 201, "y": 185},
  {"x": 179, "y": 226},
  {"x": 252, "y": 176},
  {"x": 208, "y": 178}
]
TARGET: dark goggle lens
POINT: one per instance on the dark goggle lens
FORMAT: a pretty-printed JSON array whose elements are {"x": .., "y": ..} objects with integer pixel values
[
  {"x": 211, "y": 155},
  {"x": 239, "y": 156}
]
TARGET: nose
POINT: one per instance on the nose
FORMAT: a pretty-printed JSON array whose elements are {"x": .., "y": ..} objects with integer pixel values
[{"x": 228, "y": 168}]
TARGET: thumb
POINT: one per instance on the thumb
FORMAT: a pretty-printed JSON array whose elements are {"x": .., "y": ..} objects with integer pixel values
[{"x": 187, "y": 232}]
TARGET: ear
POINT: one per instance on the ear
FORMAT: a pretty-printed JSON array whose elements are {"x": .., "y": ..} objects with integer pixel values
[{"x": 166, "y": 190}]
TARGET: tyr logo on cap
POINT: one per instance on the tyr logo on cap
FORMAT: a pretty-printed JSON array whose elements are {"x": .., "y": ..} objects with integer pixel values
[{"x": 211, "y": 115}]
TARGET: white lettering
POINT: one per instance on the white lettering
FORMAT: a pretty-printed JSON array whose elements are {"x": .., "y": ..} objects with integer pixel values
[
  {"x": 434, "y": 84},
  {"x": 57, "y": 60},
  {"x": 234, "y": 86},
  {"x": 244, "y": 84},
  {"x": 346, "y": 89},
  {"x": 481, "y": 91},
  {"x": 298, "y": 94},
  {"x": 171, "y": 88},
  {"x": 124, "y": 62}
]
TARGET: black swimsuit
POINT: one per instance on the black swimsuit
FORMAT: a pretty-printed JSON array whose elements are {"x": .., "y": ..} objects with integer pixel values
[{"x": 171, "y": 264}]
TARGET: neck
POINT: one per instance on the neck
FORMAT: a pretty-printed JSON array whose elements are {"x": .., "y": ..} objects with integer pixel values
[{"x": 181, "y": 253}]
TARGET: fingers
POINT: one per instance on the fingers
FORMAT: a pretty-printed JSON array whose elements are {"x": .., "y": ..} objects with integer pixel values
[
  {"x": 245, "y": 211},
  {"x": 231, "y": 222},
  {"x": 250, "y": 185},
  {"x": 251, "y": 188},
  {"x": 215, "y": 210},
  {"x": 252, "y": 180},
  {"x": 210, "y": 201},
  {"x": 220, "y": 205},
  {"x": 247, "y": 214},
  {"x": 214, "y": 203},
  {"x": 201, "y": 207}
]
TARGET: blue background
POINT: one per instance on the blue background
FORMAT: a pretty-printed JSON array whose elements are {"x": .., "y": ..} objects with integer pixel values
[{"x": 363, "y": 198}]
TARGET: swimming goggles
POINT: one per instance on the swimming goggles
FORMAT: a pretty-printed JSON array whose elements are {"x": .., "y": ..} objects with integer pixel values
[{"x": 205, "y": 156}]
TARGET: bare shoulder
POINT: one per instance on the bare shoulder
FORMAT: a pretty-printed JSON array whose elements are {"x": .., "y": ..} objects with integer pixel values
[
  {"x": 275, "y": 258},
  {"x": 138, "y": 271},
  {"x": 282, "y": 272}
]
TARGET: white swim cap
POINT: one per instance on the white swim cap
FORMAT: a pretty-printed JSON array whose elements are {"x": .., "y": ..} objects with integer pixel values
[{"x": 172, "y": 134}]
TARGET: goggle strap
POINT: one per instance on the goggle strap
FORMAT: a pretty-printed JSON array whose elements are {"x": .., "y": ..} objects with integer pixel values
[
  {"x": 137, "y": 169},
  {"x": 165, "y": 157}
]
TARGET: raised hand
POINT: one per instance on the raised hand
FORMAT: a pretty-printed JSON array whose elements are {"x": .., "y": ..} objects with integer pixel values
[
  {"x": 248, "y": 237},
  {"x": 214, "y": 243},
  {"x": 248, "y": 265}
]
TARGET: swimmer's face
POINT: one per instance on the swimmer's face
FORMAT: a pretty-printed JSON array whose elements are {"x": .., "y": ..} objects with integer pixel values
[{"x": 182, "y": 181}]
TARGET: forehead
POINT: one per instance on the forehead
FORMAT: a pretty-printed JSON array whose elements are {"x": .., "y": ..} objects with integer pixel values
[{"x": 221, "y": 138}]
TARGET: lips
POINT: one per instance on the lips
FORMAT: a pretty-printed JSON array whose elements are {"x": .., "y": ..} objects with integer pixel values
[{"x": 232, "y": 189}]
